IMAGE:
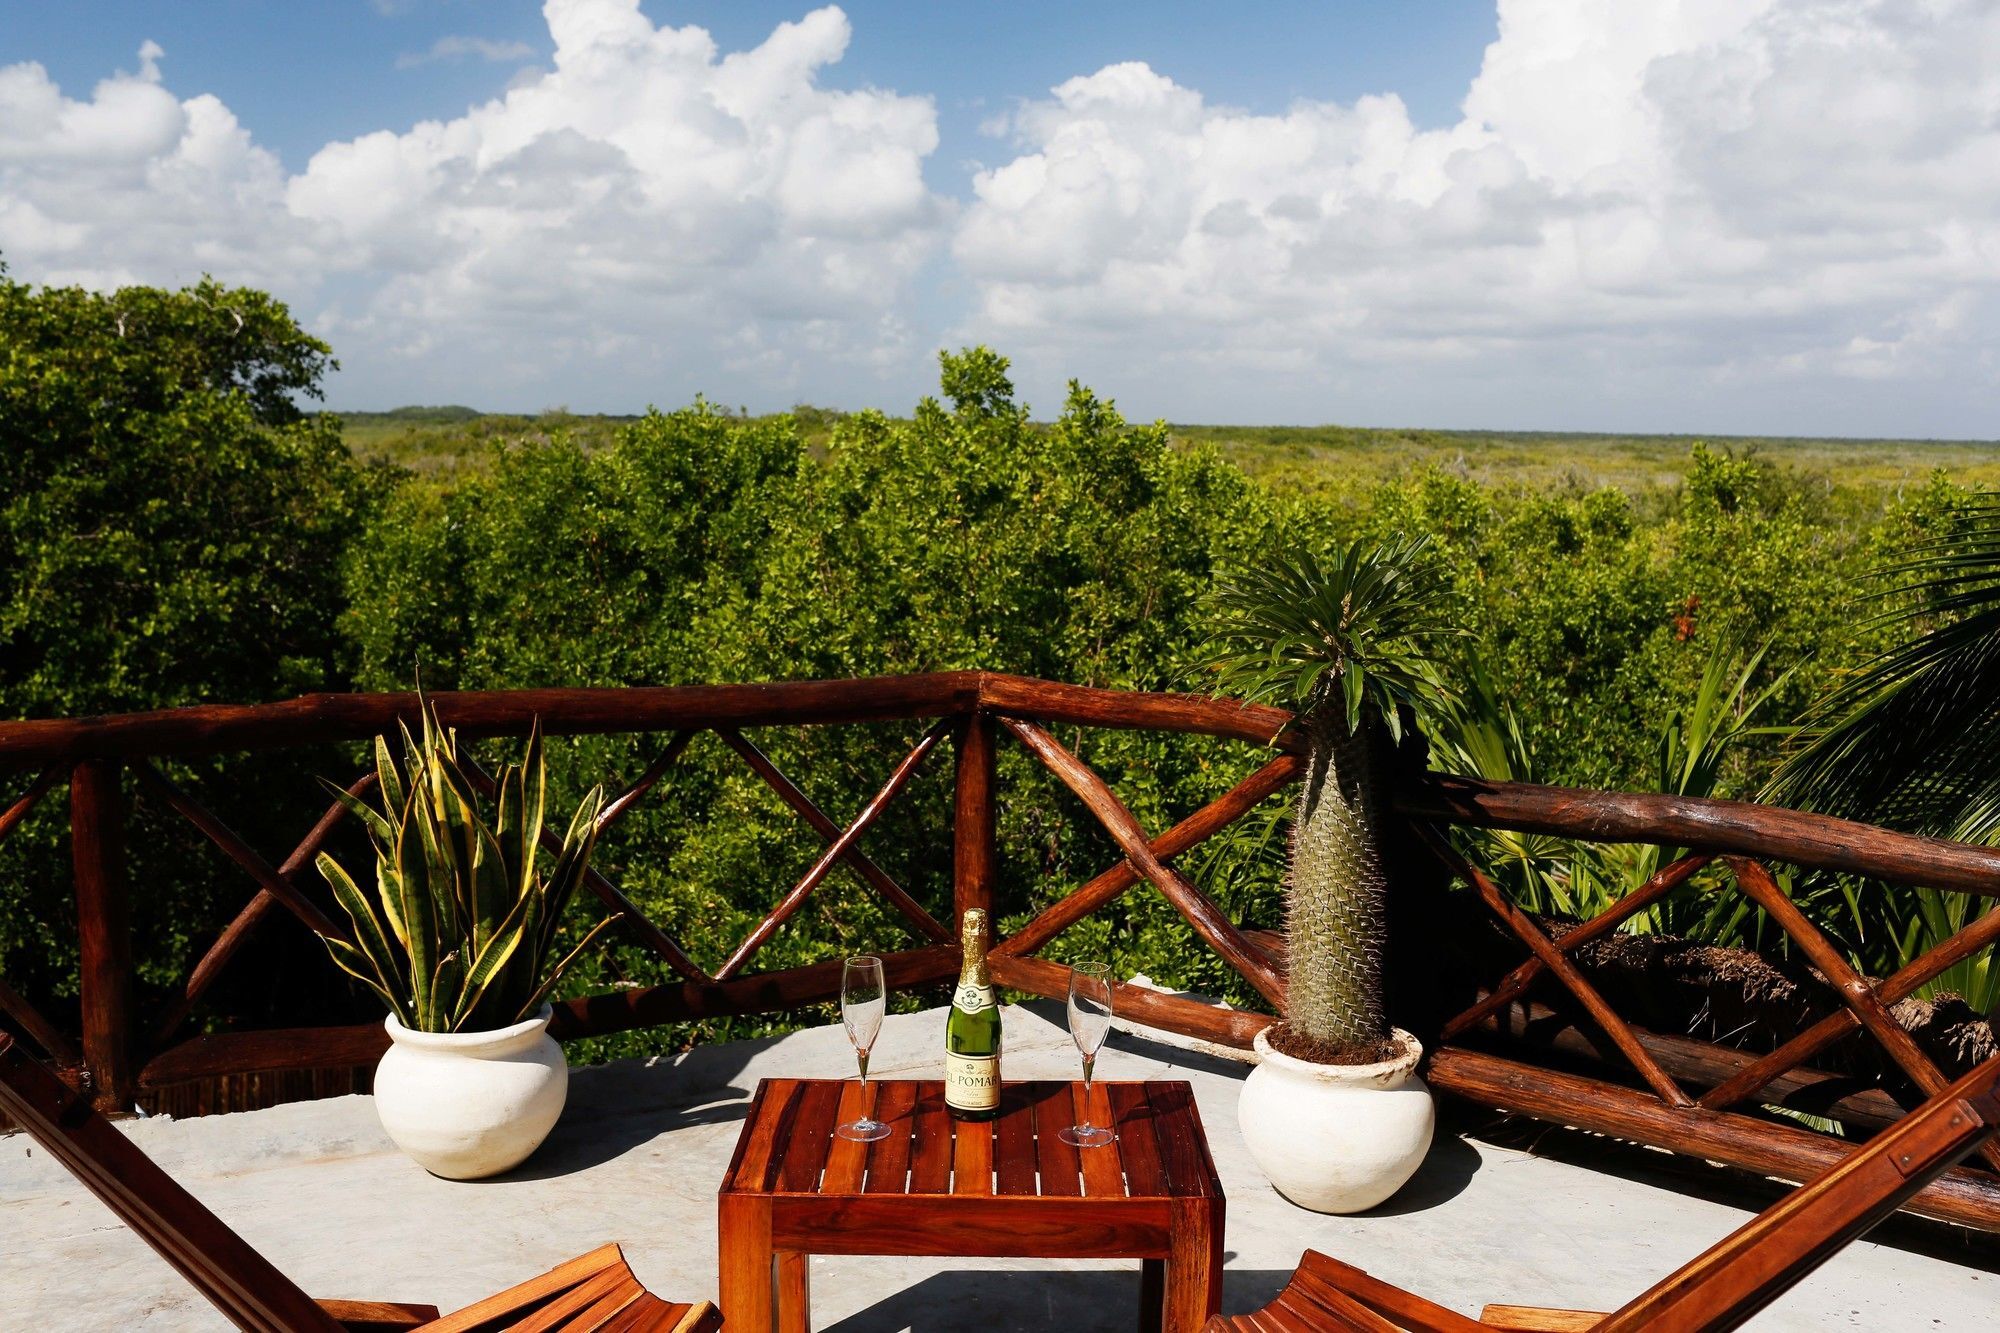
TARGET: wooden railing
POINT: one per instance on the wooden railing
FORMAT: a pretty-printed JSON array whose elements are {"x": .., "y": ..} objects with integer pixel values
[{"x": 1662, "y": 1089}]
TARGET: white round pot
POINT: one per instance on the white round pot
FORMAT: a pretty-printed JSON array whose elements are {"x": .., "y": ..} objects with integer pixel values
[
  {"x": 471, "y": 1104},
  {"x": 1337, "y": 1138}
]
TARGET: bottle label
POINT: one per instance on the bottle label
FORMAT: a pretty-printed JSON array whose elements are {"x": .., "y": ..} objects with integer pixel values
[
  {"x": 972, "y": 999},
  {"x": 971, "y": 1082}
]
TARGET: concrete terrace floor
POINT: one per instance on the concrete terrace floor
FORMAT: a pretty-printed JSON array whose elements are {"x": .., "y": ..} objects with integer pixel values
[{"x": 318, "y": 1188}]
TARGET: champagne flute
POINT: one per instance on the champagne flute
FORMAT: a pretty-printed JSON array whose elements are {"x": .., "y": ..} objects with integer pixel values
[
  {"x": 1089, "y": 1020},
  {"x": 864, "y": 996}
]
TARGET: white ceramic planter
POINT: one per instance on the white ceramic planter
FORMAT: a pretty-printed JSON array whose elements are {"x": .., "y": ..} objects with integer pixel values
[
  {"x": 1337, "y": 1138},
  {"x": 471, "y": 1104}
]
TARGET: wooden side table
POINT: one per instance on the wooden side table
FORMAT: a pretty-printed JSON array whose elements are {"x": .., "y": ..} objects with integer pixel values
[{"x": 1005, "y": 1188}]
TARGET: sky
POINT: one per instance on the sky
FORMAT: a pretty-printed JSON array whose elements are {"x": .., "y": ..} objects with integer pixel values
[{"x": 1697, "y": 216}]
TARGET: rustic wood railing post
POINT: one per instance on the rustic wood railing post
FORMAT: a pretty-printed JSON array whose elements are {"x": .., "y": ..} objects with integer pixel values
[
  {"x": 97, "y": 851},
  {"x": 974, "y": 847}
]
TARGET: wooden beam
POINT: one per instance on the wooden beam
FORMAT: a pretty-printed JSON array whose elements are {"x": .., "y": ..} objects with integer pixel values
[
  {"x": 857, "y": 860},
  {"x": 33, "y": 1023},
  {"x": 1215, "y": 929},
  {"x": 28, "y": 799},
  {"x": 1853, "y": 1101},
  {"x": 1515, "y": 983},
  {"x": 975, "y": 847},
  {"x": 97, "y": 850},
  {"x": 1959, "y": 1195},
  {"x": 635, "y": 793},
  {"x": 1195, "y": 829},
  {"x": 242, "y": 853},
  {"x": 1981, "y": 934},
  {"x": 1702, "y": 824},
  {"x": 792, "y": 901},
  {"x": 1566, "y": 972},
  {"x": 763, "y": 993},
  {"x": 1849, "y": 985},
  {"x": 609, "y": 894},
  {"x": 1191, "y": 1018},
  {"x": 238, "y": 931},
  {"x": 314, "y": 718}
]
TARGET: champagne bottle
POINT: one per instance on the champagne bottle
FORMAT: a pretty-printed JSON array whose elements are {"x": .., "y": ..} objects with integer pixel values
[{"x": 972, "y": 1033}]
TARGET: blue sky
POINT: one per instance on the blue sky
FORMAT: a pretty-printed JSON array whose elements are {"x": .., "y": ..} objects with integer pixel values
[
  {"x": 302, "y": 74},
  {"x": 1781, "y": 216}
]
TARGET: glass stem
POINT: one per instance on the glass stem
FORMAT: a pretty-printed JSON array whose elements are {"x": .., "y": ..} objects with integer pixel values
[
  {"x": 862, "y": 1056},
  {"x": 1089, "y": 1064}
]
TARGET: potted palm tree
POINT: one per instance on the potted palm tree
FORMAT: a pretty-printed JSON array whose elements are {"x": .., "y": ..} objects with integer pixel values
[
  {"x": 1334, "y": 1113},
  {"x": 459, "y": 941}
]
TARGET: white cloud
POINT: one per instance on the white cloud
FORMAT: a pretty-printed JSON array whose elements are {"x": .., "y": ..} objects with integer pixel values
[
  {"x": 1641, "y": 204},
  {"x": 462, "y": 48},
  {"x": 650, "y": 212},
  {"x": 134, "y": 183},
  {"x": 1685, "y": 214}
]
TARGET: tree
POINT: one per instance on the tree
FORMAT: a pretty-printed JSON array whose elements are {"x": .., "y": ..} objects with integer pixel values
[
  {"x": 172, "y": 525},
  {"x": 171, "y": 521}
]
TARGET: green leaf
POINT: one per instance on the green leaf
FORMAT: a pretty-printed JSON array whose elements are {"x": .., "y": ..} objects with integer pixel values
[
  {"x": 548, "y": 986},
  {"x": 387, "y": 780},
  {"x": 350, "y": 960},
  {"x": 368, "y": 933},
  {"x": 378, "y": 826},
  {"x": 416, "y": 902},
  {"x": 519, "y": 925},
  {"x": 447, "y": 986}
]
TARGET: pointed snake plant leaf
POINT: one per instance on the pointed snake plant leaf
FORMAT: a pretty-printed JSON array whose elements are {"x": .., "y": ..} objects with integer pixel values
[
  {"x": 414, "y": 899},
  {"x": 447, "y": 985},
  {"x": 389, "y": 888},
  {"x": 379, "y": 829},
  {"x": 495, "y": 956},
  {"x": 368, "y": 933},
  {"x": 511, "y": 786},
  {"x": 534, "y": 806},
  {"x": 387, "y": 779},
  {"x": 555, "y": 975},
  {"x": 578, "y": 844},
  {"x": 492, "y": 901},
  {"x": 350, "y": 960}
]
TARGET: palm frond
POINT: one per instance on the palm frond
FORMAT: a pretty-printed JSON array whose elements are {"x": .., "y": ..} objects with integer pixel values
[
  {"x": 1910, "y": 740},
  {"x": 1365, "y": 627}
]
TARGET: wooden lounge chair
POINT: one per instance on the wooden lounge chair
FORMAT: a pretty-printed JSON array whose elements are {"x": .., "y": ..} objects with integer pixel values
[
  {"x": 594, "y": 1292},
  {"x": 1719, "y": 1290}
]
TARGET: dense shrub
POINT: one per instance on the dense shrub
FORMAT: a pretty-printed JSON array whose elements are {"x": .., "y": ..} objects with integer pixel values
[{"x": 171, "y": 528}]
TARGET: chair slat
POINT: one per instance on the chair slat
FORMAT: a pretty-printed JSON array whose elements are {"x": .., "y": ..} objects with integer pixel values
[
  {"x": 1719, "y": 1289},
  {"x": 218, "y": 1263}
]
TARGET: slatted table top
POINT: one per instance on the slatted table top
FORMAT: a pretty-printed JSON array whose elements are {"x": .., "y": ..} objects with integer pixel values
[{"x": 788, "y": 1148}]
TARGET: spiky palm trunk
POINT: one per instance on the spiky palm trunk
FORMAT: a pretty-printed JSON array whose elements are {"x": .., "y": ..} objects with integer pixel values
[{"x": 1336, "y": 908}]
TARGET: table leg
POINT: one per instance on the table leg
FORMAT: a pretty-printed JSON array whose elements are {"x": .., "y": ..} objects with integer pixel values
[
  {"x": 794, "y": 1292},
  {"x": 1194, "y": 1265},
  {"x": 1152, "y": 1294},
  {"x": 746, "y": 1263}
]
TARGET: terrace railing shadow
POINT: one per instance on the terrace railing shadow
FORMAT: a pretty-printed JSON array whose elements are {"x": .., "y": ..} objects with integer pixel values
[{"x": 1669, "y": 1091}]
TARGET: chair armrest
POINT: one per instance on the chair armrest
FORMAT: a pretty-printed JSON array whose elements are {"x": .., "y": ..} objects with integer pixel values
[
  {"x": 1540, "y": 1319},
  {"x": 378, "y": 1316}
]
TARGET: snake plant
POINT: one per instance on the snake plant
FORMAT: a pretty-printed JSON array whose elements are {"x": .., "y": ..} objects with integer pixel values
[
  {"x": 460, "y": 930},
  {"x": 1349, "y": 643}
]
